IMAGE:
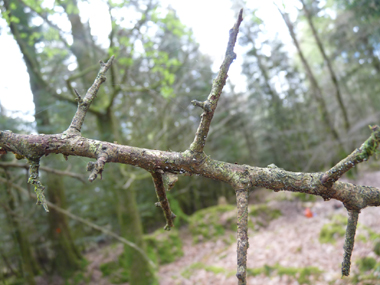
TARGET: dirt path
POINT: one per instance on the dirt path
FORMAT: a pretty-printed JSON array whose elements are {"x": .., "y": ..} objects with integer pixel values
[{"x": 292, "y": 240}]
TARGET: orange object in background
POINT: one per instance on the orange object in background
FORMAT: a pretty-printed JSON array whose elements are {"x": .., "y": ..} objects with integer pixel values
[{"x": 308, "y": 213}]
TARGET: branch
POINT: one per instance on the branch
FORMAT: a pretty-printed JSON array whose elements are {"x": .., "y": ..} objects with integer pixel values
[
  {"x": 361, "y": 154},
  {"x": 162, "y": 200},
  {"x": 349, "y": 241},
  {"x": 85, "y": 103},
  {"x": 210, "y": 104},
  {"x": 38, "y": 187},
  {"x": 242, "y": 234}
]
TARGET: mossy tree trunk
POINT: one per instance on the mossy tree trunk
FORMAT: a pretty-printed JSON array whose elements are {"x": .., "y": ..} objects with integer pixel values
[
  {"x": 29, "y": 266},
  {"x": 67, "y": 255}
]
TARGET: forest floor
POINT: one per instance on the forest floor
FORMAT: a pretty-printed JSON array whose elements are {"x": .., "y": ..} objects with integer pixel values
[{"x": 285, "y": 251}]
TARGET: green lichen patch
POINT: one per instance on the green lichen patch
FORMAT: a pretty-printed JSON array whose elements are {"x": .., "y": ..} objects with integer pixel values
[
  {"x": 331, "y": 231},
  {"x": 163, "y": 246},
  {"x": 304, "y": 275}
]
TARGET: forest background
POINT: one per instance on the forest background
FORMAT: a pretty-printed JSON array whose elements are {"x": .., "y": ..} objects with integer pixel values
[{"x": 302, "y": 102}]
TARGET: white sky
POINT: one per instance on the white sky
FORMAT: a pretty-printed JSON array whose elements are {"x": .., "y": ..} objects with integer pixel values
[{"x": 210, "y": 21}]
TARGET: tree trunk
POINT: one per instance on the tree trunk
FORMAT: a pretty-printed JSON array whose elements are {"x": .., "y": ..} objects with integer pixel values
[{"x": 63, "y": 246}]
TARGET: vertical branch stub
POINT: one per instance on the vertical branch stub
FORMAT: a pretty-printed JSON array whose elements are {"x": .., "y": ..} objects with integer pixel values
[
  {"x": 163, "y": 202},
  {"x": 349, "y": 241},
  {"x": 96, "y": 168},
  {"x": 242, "y": 234},
  {"x": 38, "y": 187}
]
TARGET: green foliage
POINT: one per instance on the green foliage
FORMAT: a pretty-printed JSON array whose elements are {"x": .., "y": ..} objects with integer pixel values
[{"x": 331, "y": 231}]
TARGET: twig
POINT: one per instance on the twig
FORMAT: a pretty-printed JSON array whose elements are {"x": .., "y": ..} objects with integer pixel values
[
  {"x": 349, "y": 241},
  {"x": 38, "y": 187},
  {"x": 97, "y": 167},
  {"x": 358, "y": 155},
  {"x": 242, "y": 234},
  {"x": 83, "y": 106},
  {"x": 210, "y": 104},
  {"x": 162, "y": 200}
]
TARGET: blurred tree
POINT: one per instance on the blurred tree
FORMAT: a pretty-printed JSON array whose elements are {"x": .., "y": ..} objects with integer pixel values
[{"x": 67, "y": 257}]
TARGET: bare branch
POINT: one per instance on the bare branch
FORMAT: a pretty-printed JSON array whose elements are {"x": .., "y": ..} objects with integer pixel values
[
  {"x": 359, "y": 155},
  {"x": 38, "y": 187},
  {"x": 76, "y": 124},
  {"x": 216, "y": 90},
  {"x": 242, "y": 234},
  {"x": 162, "y": 200},
  {"x": 97, "y": 167},
  {"x": 349, "y": 241}
]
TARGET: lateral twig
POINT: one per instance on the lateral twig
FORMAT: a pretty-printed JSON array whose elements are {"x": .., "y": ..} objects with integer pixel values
[
  {"x": 85, "y": 103},
  {"x": 162, "y": 200},
  {"x": 210, "y": 104},
  {"x": 367, "y": 149}
]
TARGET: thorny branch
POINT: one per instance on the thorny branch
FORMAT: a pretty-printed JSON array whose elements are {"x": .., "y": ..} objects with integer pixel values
[{"x": 195, "y": 161}]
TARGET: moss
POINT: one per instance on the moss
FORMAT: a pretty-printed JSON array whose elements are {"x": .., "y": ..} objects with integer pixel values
[
  {"x": 210, "y": 268},
  {"x": 330, "y": 231},
  {"x": 366, "y": 263},
  {"x": 163, "y": 246},
  {"x": 305, "y": 197},
  {"x": 212, "y": 222},
  {"x": 116, "y": 271},
  {"x": 181, "y": 217},
  {"x": 302, "y": 275},
  {"x": 261, "y": 215},
  {"x": 377, "y": 248},
  {"x": 372, "y": 234}
]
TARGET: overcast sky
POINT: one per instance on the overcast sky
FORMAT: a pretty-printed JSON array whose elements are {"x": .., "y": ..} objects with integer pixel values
[{"x": 210, "y": 21}]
